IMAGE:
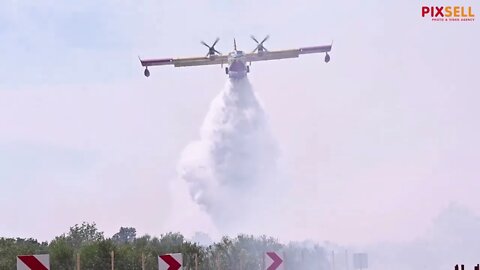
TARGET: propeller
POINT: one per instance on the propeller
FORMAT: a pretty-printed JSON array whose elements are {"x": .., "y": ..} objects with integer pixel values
[
  {"x": 211, "y": 49},
  {"x": 260, "y": 47}
]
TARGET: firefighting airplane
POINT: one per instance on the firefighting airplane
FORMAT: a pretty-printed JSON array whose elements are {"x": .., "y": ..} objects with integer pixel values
[{"x": 238, "y": 63}]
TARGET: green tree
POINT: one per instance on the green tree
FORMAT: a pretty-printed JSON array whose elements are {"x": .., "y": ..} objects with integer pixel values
[
  {"x": 125, "y": 235},
  {"x": 10, "y": 248},
  {"x": 127, "y": 257},
  {"x": 84, "y": 234},
  {"x": 244, "y": 252},
  {"x": 97, "y": 255},
  {"x": 61, "y": 253},
  {"x": 7, "y": 253}
]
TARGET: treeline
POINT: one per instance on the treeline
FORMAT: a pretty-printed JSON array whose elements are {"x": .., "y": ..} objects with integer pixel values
[{"x": 93, "y": 250}]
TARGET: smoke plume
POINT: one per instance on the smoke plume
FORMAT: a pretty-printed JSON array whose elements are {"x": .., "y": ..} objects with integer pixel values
[{"x": 229, "y": 168}]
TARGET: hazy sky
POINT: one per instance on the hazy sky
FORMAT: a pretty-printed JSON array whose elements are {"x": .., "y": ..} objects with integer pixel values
[{"x": 377, "y": 142}]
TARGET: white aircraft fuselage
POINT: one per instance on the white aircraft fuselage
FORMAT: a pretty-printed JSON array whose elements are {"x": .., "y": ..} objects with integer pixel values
[{"x": 237, "y": 65}]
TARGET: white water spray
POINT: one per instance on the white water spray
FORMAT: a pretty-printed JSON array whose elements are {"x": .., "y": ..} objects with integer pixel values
[{"x": 229, "y": 168}]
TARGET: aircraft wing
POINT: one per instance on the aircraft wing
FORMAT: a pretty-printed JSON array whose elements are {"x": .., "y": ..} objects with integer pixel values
[
  {"x": 186, "y": 62},
  {"x": 294, "y": 53}
]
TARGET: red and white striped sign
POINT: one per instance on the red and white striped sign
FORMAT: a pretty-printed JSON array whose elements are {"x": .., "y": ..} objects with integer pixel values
[
  {"x": 33, "y": 262},
  {"x": 170, "y": 261},
  {"x": 273, "y": 261}
]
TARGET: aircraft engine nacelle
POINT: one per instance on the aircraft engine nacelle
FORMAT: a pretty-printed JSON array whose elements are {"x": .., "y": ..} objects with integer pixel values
[
  {"x": 327, "y": 58},
  {"x": 146, "y": 73}
]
